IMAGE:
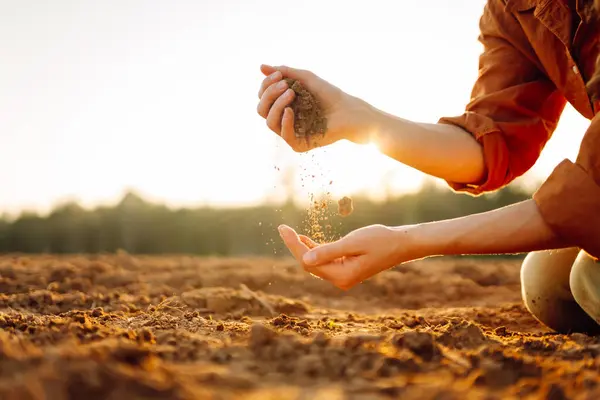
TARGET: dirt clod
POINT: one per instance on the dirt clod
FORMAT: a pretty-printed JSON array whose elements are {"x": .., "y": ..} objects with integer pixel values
[
  {"x": 421, "y": 344},
  {"x": 463, "y": 335},
  {"x": 260, "y": 335},
  {"x": 345, "y": 206}
]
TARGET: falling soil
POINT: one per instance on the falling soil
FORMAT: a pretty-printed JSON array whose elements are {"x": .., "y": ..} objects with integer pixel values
[
  {"x": 309, "y": 119},
  {"x": 317, "y": 215},
  {"x": 318, "y": 223},
  {"x": 177, "y": 327}
]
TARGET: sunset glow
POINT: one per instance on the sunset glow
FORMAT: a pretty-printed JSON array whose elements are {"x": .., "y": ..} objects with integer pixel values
[{"x": 100, "y": 97}]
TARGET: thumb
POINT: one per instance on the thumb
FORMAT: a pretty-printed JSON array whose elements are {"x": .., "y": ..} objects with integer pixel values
[{"x": 327, "y": 253}]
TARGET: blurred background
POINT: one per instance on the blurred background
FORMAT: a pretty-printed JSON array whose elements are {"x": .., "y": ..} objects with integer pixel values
[{"x": 130, "y": 124}]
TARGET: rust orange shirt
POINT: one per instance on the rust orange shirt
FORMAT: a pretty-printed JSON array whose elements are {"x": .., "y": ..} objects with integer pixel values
[{"x": 537, "y": 56}]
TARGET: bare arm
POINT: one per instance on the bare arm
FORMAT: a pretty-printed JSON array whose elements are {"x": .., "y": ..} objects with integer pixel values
[
  {"x": 444, "y": 151},
  {"x": 512, "y": 112},
  {"x": 513, "y": 229},
  {"x": 372, "y": 249}
]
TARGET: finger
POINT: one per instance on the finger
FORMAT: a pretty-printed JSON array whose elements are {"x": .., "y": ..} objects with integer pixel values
[
  {"x": 329, "y": 252},
  {"x": 288, "y": 134},
  {"x": 294, "y": 73},
  {"x": 344, "y": 273},
  {"x": 315, "y": 271},
  {"x": 327, "y": 271},
  {"x": 287, "y": 125},
  {"x": 274, "y": 119},
  {"x": 267, "y": 69},
  {"x": 311, "y": 244},
  {"x": 268, "y": 81},
  {"x": 319, "y": 273},
  {"x": 289, "y": 72},
  {"x": 292, "y": 241},
  {"x": 269, "y": 96}
]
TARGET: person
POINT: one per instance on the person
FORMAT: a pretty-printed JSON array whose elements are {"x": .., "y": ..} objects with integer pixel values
[{"x": 538, "y": 55}]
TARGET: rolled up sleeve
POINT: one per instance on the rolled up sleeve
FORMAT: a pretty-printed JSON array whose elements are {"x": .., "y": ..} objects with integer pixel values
[
  {"x": 569, "y": 200},
  {"x": 514, "y": 108}
]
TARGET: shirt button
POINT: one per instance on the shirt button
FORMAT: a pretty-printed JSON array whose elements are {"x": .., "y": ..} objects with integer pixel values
[{"x": 575, "y": 69}]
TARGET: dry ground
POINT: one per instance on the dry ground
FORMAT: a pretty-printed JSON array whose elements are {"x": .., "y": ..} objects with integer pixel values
[{"x": 117, "y": 326}]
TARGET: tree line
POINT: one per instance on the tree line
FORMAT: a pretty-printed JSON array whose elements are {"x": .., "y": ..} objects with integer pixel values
[{"x": 141, "y": 227}]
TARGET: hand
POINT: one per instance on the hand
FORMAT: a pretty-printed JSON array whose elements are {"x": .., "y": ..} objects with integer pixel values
[
  {"x": 354, "y": 258},
  {"x": 345, "y": 114}
]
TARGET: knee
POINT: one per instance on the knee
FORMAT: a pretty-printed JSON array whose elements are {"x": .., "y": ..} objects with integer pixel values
[
  {"x": 545, "y": 276},
  {"x": 546, "y": 293},
  {"x": 585, "y": 284}
]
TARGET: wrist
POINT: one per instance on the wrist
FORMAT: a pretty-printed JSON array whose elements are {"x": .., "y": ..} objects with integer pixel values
[
  {"x": 375, "y": 126},
  {"x": 363, "y": 119},
  {"x": 413, "y": 242}
]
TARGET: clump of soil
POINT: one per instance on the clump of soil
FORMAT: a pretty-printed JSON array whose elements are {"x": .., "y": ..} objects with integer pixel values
[
  {"x": 421, "y": 344},
  {"x": 309, "y": 118},
  {"x": 345, "y": 206},
  {"x": 463, "y": 334}
]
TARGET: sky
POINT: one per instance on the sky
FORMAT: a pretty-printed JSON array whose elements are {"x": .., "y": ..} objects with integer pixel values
[{"x": 101, "y": 97}]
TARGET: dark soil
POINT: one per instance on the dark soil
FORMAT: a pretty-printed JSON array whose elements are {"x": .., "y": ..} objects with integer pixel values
[
  {"x": 309, "y": 119},
  {"x": 123, "y": 327}
]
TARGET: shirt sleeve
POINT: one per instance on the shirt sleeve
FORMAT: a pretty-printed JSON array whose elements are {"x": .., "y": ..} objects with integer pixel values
[
  {"x": 569, "y": 200},
  {"x": 514, "y": 108}
]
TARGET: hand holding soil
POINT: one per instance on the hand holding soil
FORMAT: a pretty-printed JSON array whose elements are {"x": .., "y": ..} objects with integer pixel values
[{"x": 325, "y": 109}]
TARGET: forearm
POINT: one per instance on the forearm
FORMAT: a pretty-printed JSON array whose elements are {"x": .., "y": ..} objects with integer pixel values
[
  {"x": 444, "y": 151},
  {"x": 513, "y": 229}
]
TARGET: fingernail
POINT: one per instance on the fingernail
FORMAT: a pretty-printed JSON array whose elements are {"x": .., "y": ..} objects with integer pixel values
[
  {"x": 309, "y": 258},
  {"x": 274, "y": 75},
  {"x": 282, "y": 85},
  {"x": 281, "y": 230}
]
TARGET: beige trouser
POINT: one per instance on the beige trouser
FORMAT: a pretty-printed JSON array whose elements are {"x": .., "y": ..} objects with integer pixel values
[{"x": 561, "y": 288}]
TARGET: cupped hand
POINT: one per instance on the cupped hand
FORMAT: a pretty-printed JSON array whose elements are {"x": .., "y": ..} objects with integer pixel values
[
  {"x": 353, "y": 258},
  {"x": 345, "y": 114}
]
